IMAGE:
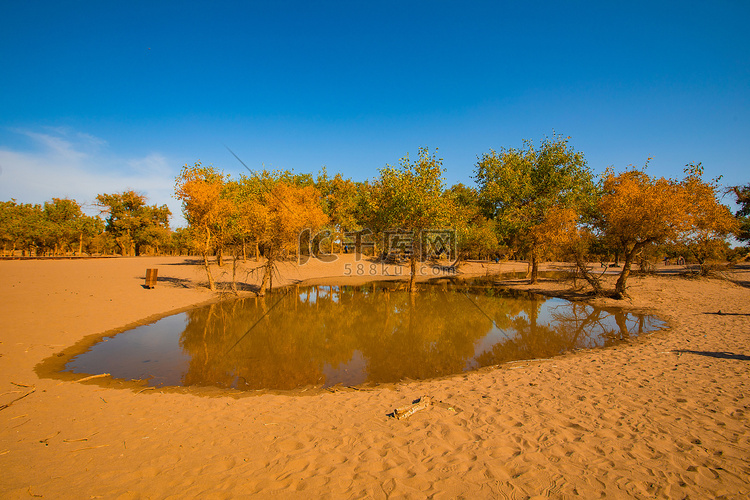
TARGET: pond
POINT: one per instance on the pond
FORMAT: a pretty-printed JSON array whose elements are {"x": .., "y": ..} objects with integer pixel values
[{"x": 321, "y": 336}]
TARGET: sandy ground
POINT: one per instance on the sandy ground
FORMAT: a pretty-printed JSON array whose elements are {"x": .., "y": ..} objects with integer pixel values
[{"x": 663, "y": 417}]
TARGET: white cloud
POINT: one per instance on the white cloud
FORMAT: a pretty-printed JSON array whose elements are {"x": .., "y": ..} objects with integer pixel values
[{"x": 79, "y": 166}]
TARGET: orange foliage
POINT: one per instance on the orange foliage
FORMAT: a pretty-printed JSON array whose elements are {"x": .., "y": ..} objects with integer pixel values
[{"x": 636, "y": 210}]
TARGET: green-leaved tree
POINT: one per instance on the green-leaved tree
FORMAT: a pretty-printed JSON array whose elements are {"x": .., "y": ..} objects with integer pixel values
[
  {"x": 534, "y": 193},
  {"x": 410, "y": 197}
]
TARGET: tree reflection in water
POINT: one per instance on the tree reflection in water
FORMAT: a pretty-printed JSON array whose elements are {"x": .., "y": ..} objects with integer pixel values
[
  {"x": 324, "y": 335},
  {"x": 373, "y": 333}
]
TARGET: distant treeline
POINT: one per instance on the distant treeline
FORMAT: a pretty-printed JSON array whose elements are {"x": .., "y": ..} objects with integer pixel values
[
  {"x": 59, "y": 227},
  {"x": 537, "y": 202}
]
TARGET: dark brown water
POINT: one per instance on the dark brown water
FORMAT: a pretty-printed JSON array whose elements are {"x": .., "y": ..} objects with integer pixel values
[{"x": 375, "y": 333}]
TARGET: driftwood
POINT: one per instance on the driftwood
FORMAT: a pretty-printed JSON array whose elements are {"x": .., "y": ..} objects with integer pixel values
[
  {"x": 422, "y": 403},
  {"x": 409, "y": 410},
  {"x": 84, "y": 379}
]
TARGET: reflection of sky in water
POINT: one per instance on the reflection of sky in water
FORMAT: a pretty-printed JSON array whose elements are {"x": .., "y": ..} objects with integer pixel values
[
  {"x": 352, "y": 372},
  {"x": 486, "y": 343},
  {"x": 312, "y": 295},
  {"x": 151, "y": 350}
]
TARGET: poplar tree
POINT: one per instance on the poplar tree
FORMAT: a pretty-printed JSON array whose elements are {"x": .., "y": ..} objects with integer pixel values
[
  {"x": 637, "y": 210},
  {"x": 410, "y": 198},
  {"x": 534, "y": 193}
]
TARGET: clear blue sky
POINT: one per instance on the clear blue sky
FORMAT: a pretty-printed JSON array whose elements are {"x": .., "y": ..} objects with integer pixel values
[{"x": 104, "y": 96}]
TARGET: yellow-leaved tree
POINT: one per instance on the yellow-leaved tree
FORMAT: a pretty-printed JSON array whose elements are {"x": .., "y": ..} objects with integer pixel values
[
  {"x": 712, "y": 221},
  {"x": 206, "y": 211},
  {"x": 287, "y": 211},
  {"x": 636, "y": 210}
]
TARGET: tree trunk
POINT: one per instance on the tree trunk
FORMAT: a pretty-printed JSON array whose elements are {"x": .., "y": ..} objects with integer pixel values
[
  {"x": 620, "y": 286},
  {"x": 267, "y": 272},
  {"x": 204, "y": 252},
  {"x": 257, "y": 251},
  {"x": 413, "y": 277},
  {"x": 534, "y": 272},
  {"x": 704, "y": 271},
  {"x": 592, "y": 280},
  {"x": 211, "y": 284},
  {"x": 234, "y": 271},
  {"x": 220, "y": 255},
  {"x": 123, "y": 248},
  {"x": 357, "y": 243}
]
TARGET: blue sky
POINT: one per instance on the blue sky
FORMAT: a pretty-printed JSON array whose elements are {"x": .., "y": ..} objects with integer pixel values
[{"x": 104, "y": 96}]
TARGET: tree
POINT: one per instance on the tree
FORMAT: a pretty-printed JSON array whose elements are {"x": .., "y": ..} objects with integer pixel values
[
  {"x": 11, "y": 225},
  {"x": 68, "y": 225},
  {"x": 271, "y": 208},
  {"x": 249, "y": 195},
  {"x": 531, "y": 192},
  {"x": 341, "y": 203},
  {"x": 23, "y": 225},
  {"x": 742, "y": 194},
  {"x": 287, "y": 211},
  {"x": 476, "y": 235},
  {"x": 62, "y": 214},
  {"x": 246, "y": 218},
  {"x": 637, "y": 210},
  {"x": 180, "y": 241},
  {"x": 132, "y": 222},
  {"x": 711, "y": 221},
  {"x": 410, "y": 198},
  {"x": 200, "y": 190}
]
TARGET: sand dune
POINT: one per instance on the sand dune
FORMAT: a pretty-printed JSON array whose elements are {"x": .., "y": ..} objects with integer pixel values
[{"x": 662, "y": 417}]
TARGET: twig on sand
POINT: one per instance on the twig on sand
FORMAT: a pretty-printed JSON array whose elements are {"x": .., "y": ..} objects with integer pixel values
[
  {"x": 84, "y": 379},
  {"x": 2, "y": 407},
  {"x": 79, "y": 439},
  {"x": 22, "y": 423},
  {"x": 89, "y": 448},
  {"x": 45, "y": 441}
]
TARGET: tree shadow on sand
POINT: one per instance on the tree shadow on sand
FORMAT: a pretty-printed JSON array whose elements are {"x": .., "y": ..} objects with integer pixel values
[
  {"x": 173, "y": 282},
  {"x": 711, "y": 354},
  {"x": 189, "y": 261},
  {"x": 743, "y": 269}
]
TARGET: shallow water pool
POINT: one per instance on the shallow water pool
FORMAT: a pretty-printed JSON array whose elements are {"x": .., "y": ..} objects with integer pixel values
[{"x": 375, "y": 333}]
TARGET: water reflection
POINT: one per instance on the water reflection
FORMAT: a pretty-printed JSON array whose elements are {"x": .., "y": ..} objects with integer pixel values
[{"x": 376, "y": 333}]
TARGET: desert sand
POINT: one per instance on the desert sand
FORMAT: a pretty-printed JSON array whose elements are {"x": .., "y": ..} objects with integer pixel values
[{"x": 665, "y": 416}]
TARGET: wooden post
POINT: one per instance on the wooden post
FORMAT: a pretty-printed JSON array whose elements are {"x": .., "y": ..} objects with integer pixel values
[{"x": 151, "y": 277}]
